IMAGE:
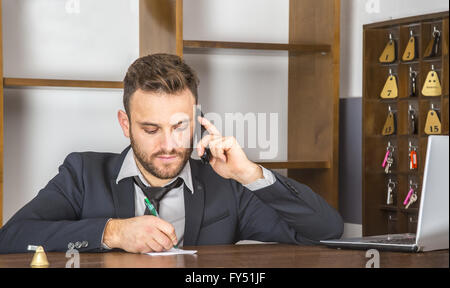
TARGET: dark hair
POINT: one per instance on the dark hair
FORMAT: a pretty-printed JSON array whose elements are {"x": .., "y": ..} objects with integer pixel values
[{"x": 159, "y": 73}]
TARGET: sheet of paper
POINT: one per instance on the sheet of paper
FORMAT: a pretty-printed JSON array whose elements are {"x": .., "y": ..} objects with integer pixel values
[{"x": 173, "y": 251}]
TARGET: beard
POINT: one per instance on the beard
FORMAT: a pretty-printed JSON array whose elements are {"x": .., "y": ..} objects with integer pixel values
[{"x": 163, "y": 171}]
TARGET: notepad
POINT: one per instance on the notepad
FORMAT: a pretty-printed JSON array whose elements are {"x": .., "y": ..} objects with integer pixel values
[{"x": 173, "y": 251}]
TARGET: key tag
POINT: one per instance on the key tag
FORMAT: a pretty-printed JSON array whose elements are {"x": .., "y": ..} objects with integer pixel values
[
  {"x": 412, "y": 157},
  {"x": 390, "y": 90},
  {"x": 433, "y": 124},
  {"x": 412, "y": 83},
  {"x": 432, "y": 86},
  {"x": 412, "y": 120},
  {"x": 433, "y": 47},
  {"x": 388, "y": 55},
  {"x": 410, "y": 51},
  {"x": 389, "y": 126}
]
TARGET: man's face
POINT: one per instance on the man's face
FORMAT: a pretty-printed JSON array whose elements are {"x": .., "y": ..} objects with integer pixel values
[{"x": 160, "y": 130}]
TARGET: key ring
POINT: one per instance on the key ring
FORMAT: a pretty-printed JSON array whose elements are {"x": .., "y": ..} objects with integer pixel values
[{"x": 436, "y": 32}]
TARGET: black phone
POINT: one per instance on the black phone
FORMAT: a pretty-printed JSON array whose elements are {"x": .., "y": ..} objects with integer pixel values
[{"x": 206, "y": 157}]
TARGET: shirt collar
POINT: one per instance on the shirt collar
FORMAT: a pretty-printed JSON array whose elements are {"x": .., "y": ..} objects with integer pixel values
[{"x": 130, "y": 169}]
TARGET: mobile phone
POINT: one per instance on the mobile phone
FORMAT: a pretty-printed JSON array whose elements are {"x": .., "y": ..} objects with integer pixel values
[{"x": 206, "y": 157}]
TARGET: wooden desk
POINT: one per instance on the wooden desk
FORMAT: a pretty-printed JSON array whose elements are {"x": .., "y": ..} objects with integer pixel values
[{"x": 241, "y": 256}]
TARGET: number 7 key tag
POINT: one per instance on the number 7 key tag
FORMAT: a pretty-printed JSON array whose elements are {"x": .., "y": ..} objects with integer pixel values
[{"x": 390, "y": 90}]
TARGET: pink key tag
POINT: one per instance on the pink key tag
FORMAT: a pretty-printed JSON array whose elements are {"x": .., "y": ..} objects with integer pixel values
[
  {"x": 385, "y": 158},
  {"x": 408, "y": 196}
]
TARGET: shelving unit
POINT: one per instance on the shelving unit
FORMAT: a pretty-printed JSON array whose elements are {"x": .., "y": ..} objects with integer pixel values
[
  {"x": 378, "y": 217},
  {"x": 313, "y": 81}
]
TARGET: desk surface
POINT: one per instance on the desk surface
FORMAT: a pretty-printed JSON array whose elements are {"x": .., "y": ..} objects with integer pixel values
[{"x": 241, "y": 256}]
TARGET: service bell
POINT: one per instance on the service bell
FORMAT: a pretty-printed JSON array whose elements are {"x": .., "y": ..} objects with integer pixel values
[{"x": 39, "y": 259}]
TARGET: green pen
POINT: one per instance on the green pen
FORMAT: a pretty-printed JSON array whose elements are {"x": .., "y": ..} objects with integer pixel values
[{"x": 154, "y": 212}]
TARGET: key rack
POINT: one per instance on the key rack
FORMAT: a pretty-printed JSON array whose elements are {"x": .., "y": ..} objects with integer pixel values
[{"x": 379, "y": 217}]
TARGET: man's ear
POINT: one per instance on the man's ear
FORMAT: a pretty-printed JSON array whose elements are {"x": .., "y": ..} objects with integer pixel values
[{"x": 124, "y": 122}]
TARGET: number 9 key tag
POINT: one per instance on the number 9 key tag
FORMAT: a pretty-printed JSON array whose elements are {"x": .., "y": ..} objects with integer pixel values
[
  {"x": 433, "y": 124},
  {"x": 388, "y": 55},
  {"x": 432, "y": 86},
  {"x": 390, "y": 90}
]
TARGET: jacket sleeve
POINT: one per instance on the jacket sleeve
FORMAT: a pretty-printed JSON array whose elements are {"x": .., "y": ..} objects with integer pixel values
[
  {"x": 286, "y": 212},
  {"x": 52, "y": 218}
]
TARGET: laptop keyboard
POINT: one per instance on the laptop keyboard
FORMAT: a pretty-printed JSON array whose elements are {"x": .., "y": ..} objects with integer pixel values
[{"x": 404, "y": 241}]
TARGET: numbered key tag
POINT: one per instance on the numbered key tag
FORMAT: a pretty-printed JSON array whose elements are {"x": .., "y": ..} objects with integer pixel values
[
  {"x": 389, "y": 126},
  {"x": 410, "y": 51},
  {"x": 388, "y": 55},
  {"x": 390, "y": 90},
  {"x": 433, "y": 124},
  {"x": 432, "y": 86}
]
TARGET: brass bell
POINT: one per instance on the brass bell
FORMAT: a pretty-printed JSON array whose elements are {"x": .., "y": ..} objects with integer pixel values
[{"x": 39, "y": 259}]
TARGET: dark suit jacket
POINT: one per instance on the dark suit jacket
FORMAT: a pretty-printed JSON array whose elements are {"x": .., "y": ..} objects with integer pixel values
[{"x": 76, "y": 204}]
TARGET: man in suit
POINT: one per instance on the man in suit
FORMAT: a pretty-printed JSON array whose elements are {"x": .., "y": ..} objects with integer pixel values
[{"x": 96, "y": 202}]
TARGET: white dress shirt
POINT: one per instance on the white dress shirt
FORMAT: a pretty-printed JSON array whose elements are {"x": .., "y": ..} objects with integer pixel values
[{"x": 171, "y": 207}]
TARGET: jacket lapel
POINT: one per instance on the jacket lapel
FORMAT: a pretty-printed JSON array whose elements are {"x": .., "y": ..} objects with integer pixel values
[
  {"x": 123, "y": 196},
  {"x": 194, "y": 204},
  {"x": 123, "y": 192}
]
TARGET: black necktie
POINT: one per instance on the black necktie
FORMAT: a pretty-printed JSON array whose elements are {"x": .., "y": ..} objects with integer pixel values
[{"x": 155, "y": 194}]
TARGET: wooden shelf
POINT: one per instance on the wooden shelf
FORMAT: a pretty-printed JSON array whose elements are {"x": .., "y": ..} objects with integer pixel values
[
  {"x": 301, "y": 48},
  {"x": 378, "y": 221},
  {"x": 296, "y": 165},
  {"x": 29, "y": 82}
]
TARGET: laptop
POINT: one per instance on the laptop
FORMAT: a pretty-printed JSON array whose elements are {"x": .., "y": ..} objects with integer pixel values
[{"x": 432, "y": 227}]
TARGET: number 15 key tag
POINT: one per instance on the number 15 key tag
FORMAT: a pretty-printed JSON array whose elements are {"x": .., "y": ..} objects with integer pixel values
[{"x": 433, "y": 124}]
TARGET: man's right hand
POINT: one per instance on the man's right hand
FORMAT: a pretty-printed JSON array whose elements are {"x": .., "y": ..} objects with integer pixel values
[{"x": 141, "y": 234}]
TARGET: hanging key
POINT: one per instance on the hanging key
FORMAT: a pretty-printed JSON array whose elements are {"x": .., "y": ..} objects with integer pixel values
[
  {"x": 390, "y": 194},
  {"x": 412, "y": 83},
  {"x": 388, "y": 159},
  {"x": 432, "y": 49},
  {"x": 412, "y": 200},
  {"x": 412, "y": 120}
]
